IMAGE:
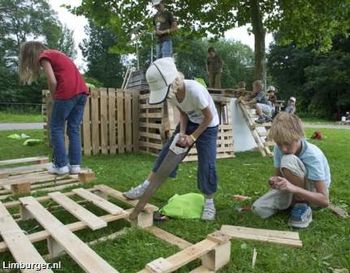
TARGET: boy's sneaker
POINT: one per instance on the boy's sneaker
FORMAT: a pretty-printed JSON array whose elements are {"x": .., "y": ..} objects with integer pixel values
[
  {"x": 137, "y": 192},
  {"x": 58, "y": 170},
  {"x": 209, "y": 212},
  {"x": 74, "y": 169},
  {"x": 300, "y": 216},
  {"x": 260, "y": 120}
]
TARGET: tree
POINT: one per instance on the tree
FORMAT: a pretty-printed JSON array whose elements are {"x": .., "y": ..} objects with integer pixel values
[
  {"x": 22, "y": 20},
  {"x": 102, "y": 65},
  {"x": 304, "y": 22},
  {"x": 319, "y": 80}
]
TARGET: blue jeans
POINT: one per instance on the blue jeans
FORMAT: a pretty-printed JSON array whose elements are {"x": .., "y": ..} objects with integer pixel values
[
  {"x": 164, "y": 49},
  {"x": 72, "y": 111},
  {"x": 206, "y": 149}
]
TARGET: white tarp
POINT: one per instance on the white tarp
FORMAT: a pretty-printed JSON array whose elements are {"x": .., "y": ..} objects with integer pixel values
[{"x": 242, "y": 137}]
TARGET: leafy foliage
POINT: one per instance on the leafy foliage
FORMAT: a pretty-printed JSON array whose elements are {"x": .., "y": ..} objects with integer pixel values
[
  {"x": 103, "y": 65},
  {"x": 22, "y": 20},
  {"x": 319, "y": 80}
]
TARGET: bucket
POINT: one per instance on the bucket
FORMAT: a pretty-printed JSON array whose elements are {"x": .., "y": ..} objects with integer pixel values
[{"x": 343, "y": 118}]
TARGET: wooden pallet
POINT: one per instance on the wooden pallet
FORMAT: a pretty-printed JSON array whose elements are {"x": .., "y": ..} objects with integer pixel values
[
  {"x": 258, "y": 131},
  {"x": 60, "y": 238},
  {"x": 214, "y": 251},
  {"x": 31, "y": 178}
]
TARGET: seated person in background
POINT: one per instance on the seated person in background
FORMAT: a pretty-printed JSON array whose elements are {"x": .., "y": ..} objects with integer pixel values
[
  {"x": 272, "y": 99},
  {"x": 291, "y": 108},
  {"x": 347, "y": 116},
  {"x": 260, "y": 102},
  {"x": 302, "y": 175}
]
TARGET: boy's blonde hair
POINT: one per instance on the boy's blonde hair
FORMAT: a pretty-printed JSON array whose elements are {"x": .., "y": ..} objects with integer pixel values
[
  {"x": 29, "y": 66},
  {"x": 286, "y": 128}
]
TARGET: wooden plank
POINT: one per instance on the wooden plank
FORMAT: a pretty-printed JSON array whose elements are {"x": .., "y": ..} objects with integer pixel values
[
  {"x": 187, "y": 255},
  {"x": 120, "y": 119},
  {"x": 86, "y": 128},
  {"x": 24, "y": 169},
  {"x": 271, "y": 236},
  {"x": 44, "y": 234},
  {"x": 41, "y": 159},
  {"x": 168, "y": 237},
  {"x": 99, "y": 201},
  {"x": 103, "y": 121},
  {"x": 339, "y": 211},
  {"x": 118, "y": 195},
  {"x": 202, "y": 269},
  {"x": 135, "y": 119},
  {"x": 128, "y": 123},
  {"x": 31, "y": 178},
  {"x": 95, "y": 135},
  {"x": 87, "y": 217},
  {"x": 112, "y": 121},
  {"x": 17, "y": 242},
  {"x": 77, "y": 249}
]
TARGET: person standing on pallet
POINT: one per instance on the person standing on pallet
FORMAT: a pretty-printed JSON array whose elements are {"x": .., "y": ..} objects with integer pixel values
[
  {"x": 69, "y": 93},
  {"x": 302, "y": 176},
  {"x": 198, "y": 124},
  {"x": 164, "y": 25},
  {"x": 214, "y": 68}
]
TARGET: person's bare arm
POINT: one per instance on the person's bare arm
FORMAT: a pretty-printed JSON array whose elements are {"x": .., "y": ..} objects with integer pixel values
[
  {"x": 319, "y": 198},
  {"x": 208, "y": 117},
  {"x": 51, "y": 79}
]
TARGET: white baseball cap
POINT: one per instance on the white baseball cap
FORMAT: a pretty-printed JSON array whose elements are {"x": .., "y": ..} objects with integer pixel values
[
  {"x": 160, "y": 76},
  {"x": 292, "y": 99},
  {"x": 271, "y": 88},
  {"x": 156, "y": 2}
]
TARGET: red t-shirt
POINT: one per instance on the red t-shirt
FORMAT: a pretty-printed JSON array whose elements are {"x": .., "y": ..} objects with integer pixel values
[{"x": 69, "y": 81}]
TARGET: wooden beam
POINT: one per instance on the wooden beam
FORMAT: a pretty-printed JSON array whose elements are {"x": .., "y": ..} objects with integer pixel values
[
  {"x": 19, "y": 245},
  {"x": 88, "y": 260}
]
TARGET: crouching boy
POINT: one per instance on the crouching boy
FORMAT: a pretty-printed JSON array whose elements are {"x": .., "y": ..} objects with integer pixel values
[{"x": 302, "y": 175}]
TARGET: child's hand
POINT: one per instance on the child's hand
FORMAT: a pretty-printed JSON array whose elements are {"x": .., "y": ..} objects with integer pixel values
[
  {"x": 284, "y": 185},
  {"x": 272, "y": 181}
]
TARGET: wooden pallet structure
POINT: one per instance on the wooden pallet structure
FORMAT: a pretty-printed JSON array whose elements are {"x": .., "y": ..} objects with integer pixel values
[
  {"x": 258, "y": 131},
  {"x": 31, "y": 176},
  {"x": 214, "y": 251}
]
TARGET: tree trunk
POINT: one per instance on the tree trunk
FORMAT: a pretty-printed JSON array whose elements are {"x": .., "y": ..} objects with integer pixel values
[{"x": 259, "y": 40}]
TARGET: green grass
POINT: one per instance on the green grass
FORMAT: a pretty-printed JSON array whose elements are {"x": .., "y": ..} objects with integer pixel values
[
  {"x": 326, "y": 243},
  {"x": 9, "y": 117}
]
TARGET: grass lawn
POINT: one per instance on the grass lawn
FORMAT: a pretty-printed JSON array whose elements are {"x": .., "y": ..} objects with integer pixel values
[
  {"x": 8, "y": 117},
  {"x": 326, "y": 243}
]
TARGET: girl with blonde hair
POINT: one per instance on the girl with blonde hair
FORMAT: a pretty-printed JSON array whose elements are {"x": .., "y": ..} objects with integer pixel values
[{"x": 69, "y": 93}]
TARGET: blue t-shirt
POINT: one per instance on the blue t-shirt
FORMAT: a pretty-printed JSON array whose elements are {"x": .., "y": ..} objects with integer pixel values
[{"x": 315, "y": 162}]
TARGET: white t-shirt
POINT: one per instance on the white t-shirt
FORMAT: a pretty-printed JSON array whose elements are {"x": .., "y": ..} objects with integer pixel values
[{"x": 196, "y": 99}]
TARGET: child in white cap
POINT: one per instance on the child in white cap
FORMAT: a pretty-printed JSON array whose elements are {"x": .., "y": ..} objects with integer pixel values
[
  {"x": 291, "y": 108},
  {"x": 198, "y": 124}
]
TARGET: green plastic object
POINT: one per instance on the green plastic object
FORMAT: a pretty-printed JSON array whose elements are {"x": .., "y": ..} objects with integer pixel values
[
  {"x": 32, "y": 142},
  {"x": 201, "y": 81},
  {"x": 14, "y": 136},
  {"x": 185, "y": 206}
]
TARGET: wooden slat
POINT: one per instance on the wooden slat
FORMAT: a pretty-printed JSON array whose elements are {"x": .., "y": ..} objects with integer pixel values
[
  {"x": 41, "y": 159},
  {"x": 86, "y": 128},
  {"x": 264, "y": 235},
  {"x": 168, "y": 237},
  {"x": 17, "y": 242},
  {"x": 25, "y": 169},
  {"x": 77, "y": 249},
  {"x": 103, "y": 120},
  {"x": 135, "y": 118},
  {"x": 99, "y": 201},
  {"x": 112, "y": 121},
  {"x": 87, "y": 217},
  {"x": 128, "y": 122},
  {"x": 120, "y": 119},
  {"x": 187, "y": 255},
  {"x": 42, "y": 235},
  {"x": 95, "y": 132}
]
